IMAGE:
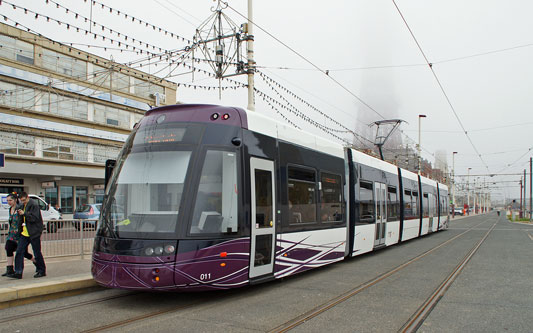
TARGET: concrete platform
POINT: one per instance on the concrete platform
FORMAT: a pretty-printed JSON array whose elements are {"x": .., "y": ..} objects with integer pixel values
[{"x": 65, "y": 276}]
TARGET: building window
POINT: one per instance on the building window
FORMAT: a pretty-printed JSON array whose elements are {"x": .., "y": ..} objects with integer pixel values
[
  {"x": 64, "y": 106},
  {"x": 331, "y": 207},
  {"x": 99, "y": 196},
  {"x": 367, "y": 204},
  {"x": 67, "y": 199},
  {"x": 9, "y": 143},
  {"x": 50, "y": 196},
  {"x": 15, "y": 49},
  {"x": 64, "y": 64},
  {"x": 82, "y": 196},
  {"x": 104, "y": 153},
  {"x": 111, "y": 116},
  {"x": 17, "y": 144},
  {"x": 17, "y": 96},
  {"x": 302, "y": 195},
  {"x": 145, "y": 89},
  {"x": 101, "y": 76},
  {"x": 120, "y": 82}
]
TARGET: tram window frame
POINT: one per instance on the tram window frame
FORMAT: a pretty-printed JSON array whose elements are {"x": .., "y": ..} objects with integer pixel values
[
  {"x": 407, "y": 204},
  {"x": 338, "y": 216},
  {"x": 302, "y": 215},
  {"x": 236, "y": 229},
  {"x": 425, "y": 204},
  {"x": 369, "y": 218},
  {"x": 415, "y": 203},
  {"x": 393, "y": 206}
]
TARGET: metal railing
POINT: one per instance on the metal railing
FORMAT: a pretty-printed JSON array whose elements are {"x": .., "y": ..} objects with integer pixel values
[{"x": 61, "y": 238}]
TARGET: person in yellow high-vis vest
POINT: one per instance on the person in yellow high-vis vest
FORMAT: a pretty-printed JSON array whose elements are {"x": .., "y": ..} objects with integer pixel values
[{"x": 30, "y": 229}]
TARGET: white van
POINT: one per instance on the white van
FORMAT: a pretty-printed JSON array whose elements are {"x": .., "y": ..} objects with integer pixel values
[{"x": 50, "y": 216}]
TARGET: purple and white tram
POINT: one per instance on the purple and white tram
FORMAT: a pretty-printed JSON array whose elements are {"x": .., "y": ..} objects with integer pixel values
[{"x": 207, "y": 197}]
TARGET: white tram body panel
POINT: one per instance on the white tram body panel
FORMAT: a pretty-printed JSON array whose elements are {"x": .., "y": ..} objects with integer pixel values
[
  {"x": 392, "y": 232},
  {"x": 410, "y": 229},
  {"x": 364, "y": 239},
  {"x": 300, "y": 251}
]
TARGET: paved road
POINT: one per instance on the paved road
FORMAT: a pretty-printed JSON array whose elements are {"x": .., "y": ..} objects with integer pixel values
[{"x": 492, "y": 294}]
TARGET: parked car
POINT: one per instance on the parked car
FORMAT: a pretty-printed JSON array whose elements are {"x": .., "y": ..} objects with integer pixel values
[
  {"x": 459, "y": 211},
  {"x": 89, "y": 212},
  {"x": 51, "y": 217}
]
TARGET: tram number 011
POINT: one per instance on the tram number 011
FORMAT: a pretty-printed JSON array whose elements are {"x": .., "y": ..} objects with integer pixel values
[{"x": 205, "y": 276}]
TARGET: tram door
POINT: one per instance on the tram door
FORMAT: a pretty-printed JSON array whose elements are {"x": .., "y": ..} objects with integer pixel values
[
  {"x": 380, "y": 194},
  {"x": 263, "y": 226}
]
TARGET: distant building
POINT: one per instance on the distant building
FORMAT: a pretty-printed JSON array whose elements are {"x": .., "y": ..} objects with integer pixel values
[{"x": 63, "y": 113}]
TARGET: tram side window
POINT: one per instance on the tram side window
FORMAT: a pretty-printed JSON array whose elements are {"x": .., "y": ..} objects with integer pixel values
[
  {"x": 302, "y": 195},
  {"x": 407, "y": 207},
  {"x": 425, "y": 205},
  {"x": 393, "y": 206},
  {"x": 331, "y": 198},
  {"x": 215, "y": 210},
  {"x": 366, "y": 202},
  {"x": 414, "y": 204}
]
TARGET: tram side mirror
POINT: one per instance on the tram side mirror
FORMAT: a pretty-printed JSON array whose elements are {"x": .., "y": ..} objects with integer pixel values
[
  {"x": 236, "y": 141},
  {"x": 109, "y": 166}
]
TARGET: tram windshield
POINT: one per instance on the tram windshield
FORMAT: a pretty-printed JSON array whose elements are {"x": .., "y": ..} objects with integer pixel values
[
  {"x": 148, "y": 192},
  {"x": 145, "y": 192}
]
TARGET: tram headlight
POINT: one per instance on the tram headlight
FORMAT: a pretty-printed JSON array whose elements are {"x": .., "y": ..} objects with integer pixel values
[
  {"x": 169, "y": 249},
  {"x": 158, "y": 251},
  {"x": 149, "y": 251}
]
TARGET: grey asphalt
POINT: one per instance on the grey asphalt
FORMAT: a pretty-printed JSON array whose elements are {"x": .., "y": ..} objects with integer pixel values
[{"x": 493, "y": 293}]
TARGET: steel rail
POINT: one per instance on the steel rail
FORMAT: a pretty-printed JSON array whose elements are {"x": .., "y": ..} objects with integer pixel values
[
  {"x": 63, "y": 307},
  {"x": 417, "y": 319},
  {"x": 350, "y": 293}
]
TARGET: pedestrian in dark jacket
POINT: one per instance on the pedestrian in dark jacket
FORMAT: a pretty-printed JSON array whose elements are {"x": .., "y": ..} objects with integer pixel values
[
  {"x": 13, "y": 234},
  {"x": 30, "y": 229}
]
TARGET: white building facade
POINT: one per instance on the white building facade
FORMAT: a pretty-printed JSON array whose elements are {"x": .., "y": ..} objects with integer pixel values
[{"x": 63, "y": 113}]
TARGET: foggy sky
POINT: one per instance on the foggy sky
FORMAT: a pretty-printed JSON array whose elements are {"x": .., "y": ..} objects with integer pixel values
[{"x": 491, "y": 93}]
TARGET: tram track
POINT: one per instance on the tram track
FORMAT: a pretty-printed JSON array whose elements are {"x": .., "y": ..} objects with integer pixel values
[
  {"x": 417, "y": 319},
  {"x": 293, "y": 323},
  {"x": 282, "y": 328},
  {"x": 64, "y": 307}
]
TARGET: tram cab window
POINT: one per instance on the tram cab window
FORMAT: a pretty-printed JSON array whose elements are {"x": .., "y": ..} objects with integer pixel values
[
  {"x": 393, "y": 206},
  {"x": 367, "y": 204},
  {"x": 302, "y": 196},
  {"x": 215, "y": 209},
  {"x": 331, "y": 207}
]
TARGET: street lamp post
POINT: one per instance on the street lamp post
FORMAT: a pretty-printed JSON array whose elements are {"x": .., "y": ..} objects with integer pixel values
[
  {"x": 420, "y": 116},
  {"x": 453, "y": 183},
  {"x": 468, "y": 192}
]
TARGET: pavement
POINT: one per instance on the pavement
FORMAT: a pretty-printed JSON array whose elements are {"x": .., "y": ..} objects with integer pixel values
[{"x": 64, "y": 277}]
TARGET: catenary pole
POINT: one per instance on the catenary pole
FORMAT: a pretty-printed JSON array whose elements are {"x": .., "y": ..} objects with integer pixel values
[
  {"x": 530, "y": 189},
  {"x": 251, "y": 62}
]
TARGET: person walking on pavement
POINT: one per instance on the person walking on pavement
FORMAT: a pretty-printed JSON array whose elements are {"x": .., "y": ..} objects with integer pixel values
[
  {"x": 30, "y": 229},
  {"x": 13, "y": 235}
]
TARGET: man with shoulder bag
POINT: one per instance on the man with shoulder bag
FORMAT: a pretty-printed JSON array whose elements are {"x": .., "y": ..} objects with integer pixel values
[{"x": 30, "y": 230}]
